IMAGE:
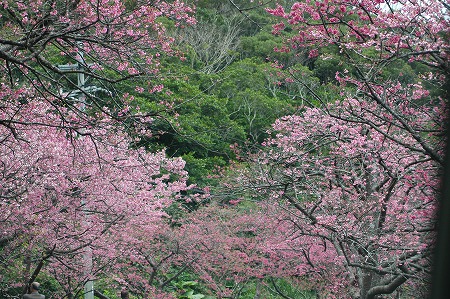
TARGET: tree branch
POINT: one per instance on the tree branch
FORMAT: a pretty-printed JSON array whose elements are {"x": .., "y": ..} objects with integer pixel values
[
  {"x": 100, "y": 295},
  {"x": 389, "y": 287}
]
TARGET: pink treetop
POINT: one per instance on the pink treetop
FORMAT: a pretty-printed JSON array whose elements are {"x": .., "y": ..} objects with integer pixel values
[
  {"x": 368, "y": 198},
  {"x": 107, "y": 41},
  {"x": 371, "y": 36},
  {"x": 61, "y": 195},
  {"x": 415, "y": 30},
  {"x": 232, "y": 246}
]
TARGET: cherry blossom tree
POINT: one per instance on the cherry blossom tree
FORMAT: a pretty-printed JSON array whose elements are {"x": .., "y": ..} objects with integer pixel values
[
  {"x": 70, "y": 183},
  {"x": 372, "y": 36},
  {"x": 237, "y": 248},
  {"x": 367, "y": 200},
  {"x": 338, "y": 205},
  {"x": 399, "y": 29},
  {"x": 45, "y": 45},
  {"x": 226, "y": 248},
  {"x": 355, "y": 180},
  {"x": 65, "y": 197}
]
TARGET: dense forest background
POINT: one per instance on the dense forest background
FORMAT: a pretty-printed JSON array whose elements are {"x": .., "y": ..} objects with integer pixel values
[
  {"x": 227, "y": 91},
  {"x": 230, "y": 87}
]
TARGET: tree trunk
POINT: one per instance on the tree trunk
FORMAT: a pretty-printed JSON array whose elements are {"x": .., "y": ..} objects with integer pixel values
[
  {"x": 365, "y": 282},
  {"x": 258, "y": 290}
]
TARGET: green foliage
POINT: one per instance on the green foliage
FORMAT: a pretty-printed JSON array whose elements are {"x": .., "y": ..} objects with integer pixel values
[
  {"x": 193, "y": 124},
  {"x": 271, "y": 288},
  {"x": 185, "y": 286},
  {"x": 328, "y": 63},
  {"x": 262, "y": 45},
  {"x": 399, "y": 70},
  {"x": 255, "y": 112},
  {"x": 254, "y": 96},
  {"x": 326, "y": 68},
  {"x": 10, "y": 278},
  {"x": 205, "y": 128},
  {"x": 288, "y": 288},
  {"x": 200, "y": 169}
]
